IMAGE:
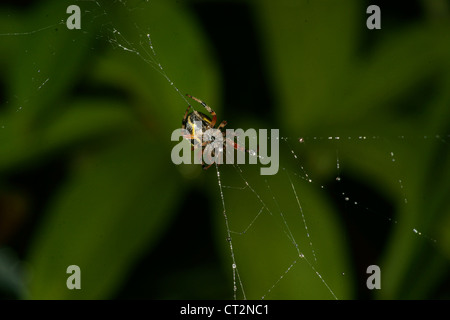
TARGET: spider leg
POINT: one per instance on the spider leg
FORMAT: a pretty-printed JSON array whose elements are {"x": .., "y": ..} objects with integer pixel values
[
  {"x": 191, "y": 138},
  {"x": 237, "y": 146},
  {"x": 199, "y": 154},
  {"x": 213, "y": 114},
  {"x": 221, "y": 125},
  {"x": 183, "y": 122},
  {"x": 210, "y": 156},
  {"x": 206, "y": 167}
]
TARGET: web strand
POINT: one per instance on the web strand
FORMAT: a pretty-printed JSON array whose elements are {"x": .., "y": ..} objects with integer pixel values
[
  {"x": 145, "y": 50},
  {"x": 230, "y": 242}
]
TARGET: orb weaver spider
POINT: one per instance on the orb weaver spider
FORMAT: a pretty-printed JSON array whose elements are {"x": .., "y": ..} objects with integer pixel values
[{"x": 196, "y": 134}]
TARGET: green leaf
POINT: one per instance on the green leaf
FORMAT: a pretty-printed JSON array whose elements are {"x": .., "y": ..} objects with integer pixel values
[
  {"x": 47, "y": 60},
  {"x": 326, "y": 87},
  {"x": 108, "y": 214},
  {"x": 267, "y": 259},
  {"x": 308, "y": 49},
  {"x": 183, "y": 62},
  {"x": 81, "y": 121}
]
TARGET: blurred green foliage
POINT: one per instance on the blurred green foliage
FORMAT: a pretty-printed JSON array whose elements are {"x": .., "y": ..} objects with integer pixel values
[{"x": 86, "y": 176}]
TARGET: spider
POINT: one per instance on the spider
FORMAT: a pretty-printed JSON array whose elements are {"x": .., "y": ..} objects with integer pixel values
[{"x": 196, "y": 134}]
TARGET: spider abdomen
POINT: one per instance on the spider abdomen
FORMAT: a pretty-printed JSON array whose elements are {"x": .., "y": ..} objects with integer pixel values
[{"x": 193, "y": 122}]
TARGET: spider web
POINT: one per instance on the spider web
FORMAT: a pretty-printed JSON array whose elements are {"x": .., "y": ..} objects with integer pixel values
[
  {"x": 270, "y": 205},
  {"x": 289, "y": 214}
]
